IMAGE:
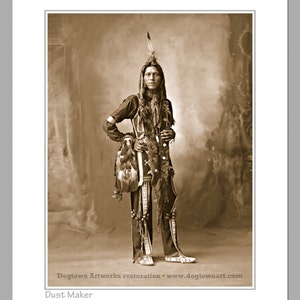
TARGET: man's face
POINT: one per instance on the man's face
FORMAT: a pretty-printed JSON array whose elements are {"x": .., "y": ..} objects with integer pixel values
[{"x": 152, "y": 78}]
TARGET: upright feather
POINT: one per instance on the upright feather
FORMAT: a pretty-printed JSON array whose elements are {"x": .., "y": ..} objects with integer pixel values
[{"x": 150, "y": 48}]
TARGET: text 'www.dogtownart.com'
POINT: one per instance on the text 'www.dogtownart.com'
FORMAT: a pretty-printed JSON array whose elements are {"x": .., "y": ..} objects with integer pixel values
[{"x": 192, "y": 276}]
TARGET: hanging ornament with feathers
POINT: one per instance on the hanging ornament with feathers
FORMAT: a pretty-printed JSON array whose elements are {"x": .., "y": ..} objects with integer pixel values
[{"x": 126, "y": 167}]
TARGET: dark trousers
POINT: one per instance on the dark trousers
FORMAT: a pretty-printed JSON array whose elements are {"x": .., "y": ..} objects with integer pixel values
[{"x": 142, "y": 227}]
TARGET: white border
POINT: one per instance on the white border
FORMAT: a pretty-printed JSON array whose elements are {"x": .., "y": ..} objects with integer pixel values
[
  {"x": 46, "y": 157},
  {"x": 271, "y": 137}
]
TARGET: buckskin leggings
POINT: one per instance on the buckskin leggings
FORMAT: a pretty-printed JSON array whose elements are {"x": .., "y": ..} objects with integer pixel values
[{"x": 142, "y": 227}]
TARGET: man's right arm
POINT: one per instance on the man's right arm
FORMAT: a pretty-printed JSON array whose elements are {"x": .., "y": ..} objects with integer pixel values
[
  {"x": 126, "y": 110},
  {"x": 112, "y": 130}
]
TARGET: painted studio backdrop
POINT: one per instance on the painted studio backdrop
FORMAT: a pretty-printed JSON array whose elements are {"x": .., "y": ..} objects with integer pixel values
[{"x": 94, "y": 62}]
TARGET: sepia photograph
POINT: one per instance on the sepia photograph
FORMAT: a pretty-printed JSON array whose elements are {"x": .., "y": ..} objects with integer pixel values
[{"x": 150, "y": 139}]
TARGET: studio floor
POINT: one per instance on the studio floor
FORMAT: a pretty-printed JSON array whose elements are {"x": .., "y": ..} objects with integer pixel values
[{"x": 103, "y": 260}]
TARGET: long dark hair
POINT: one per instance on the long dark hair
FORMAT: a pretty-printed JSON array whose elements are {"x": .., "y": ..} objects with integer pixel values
[{"x": 143, "y": 88}]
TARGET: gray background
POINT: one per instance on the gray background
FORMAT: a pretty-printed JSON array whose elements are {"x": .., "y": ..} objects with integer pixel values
[
  {"x": 293, "y": 150},
  {"x": 6, "y": 148}
]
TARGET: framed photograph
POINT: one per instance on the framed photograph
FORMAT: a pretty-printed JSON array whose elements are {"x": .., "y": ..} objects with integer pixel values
[
  {"x": 95, "y": 62},
  {"x": 150, "y": 164}
]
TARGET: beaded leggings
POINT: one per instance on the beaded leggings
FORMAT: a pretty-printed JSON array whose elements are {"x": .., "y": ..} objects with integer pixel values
[{"x": 142, "y": 228}]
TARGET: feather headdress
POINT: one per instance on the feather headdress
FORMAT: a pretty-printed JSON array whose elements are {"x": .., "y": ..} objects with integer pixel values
[
  {"x": 151, "y": 50},
  {"x": 151, "y": 61}
]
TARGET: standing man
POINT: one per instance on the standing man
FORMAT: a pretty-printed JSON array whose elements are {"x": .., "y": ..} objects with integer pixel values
[{"x": 152, "y": 118}]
